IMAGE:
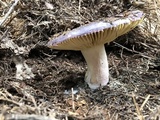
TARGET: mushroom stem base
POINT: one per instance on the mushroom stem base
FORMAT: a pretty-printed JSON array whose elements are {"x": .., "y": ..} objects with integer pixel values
[{"x": 98, "y": 71}]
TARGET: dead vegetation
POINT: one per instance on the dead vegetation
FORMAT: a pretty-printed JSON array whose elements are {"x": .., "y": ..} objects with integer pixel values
[{"x": 43, "y": 84}]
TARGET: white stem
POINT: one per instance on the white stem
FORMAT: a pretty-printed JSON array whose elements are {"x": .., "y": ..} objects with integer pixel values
[{"x": 98, "y": 71}]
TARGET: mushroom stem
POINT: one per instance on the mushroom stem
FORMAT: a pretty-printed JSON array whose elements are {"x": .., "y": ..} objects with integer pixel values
[{"x": 98, "y": 71}]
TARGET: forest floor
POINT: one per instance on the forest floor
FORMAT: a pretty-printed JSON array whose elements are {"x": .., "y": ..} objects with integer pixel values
[{"x": 40, "y": 83}]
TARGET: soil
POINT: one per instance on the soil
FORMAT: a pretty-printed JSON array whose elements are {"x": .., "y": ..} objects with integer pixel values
[{"x": 51, "y": 84}]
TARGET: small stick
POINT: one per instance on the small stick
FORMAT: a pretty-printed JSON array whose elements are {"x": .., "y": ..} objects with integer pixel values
[
  {"x": 79, "y": 6},
  {"x": 73, "y": 105},
  {"x": 140, "y": 116},
  {"x": 3, "y": 3},
  {"x": 9, "y": 12},
  {"x": 131, "y": 50},
  {"x": 156, "y": 9},
  {"x": 27, "y": 117},
  {"x": 145, "y": 101}
]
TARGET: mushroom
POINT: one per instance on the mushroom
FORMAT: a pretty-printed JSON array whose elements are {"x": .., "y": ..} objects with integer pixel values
[{"x": 90, "y": 40}]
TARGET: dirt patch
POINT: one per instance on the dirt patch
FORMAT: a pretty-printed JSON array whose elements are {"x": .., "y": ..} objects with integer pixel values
[{"x": 45, "y": 84}]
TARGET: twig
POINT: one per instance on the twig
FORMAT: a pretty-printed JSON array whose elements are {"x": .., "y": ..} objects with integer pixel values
[
  {"x": 4, "y": 35},
  {"x": 9, "y": 12},
  {"x": 145, "y": 101},
  {"x": 73, "y": 105},
  {"x": 27, "y": 117},
  {"x": 4, "y": 98},
  {"x": 79, "y": 6},
  {"x": 156, "y": 7},
  {"x": 3, "y": 3},
  {"x": 39, "y": 29},
  {"x": 132, "y": 50},
  {"x": 139, "y": 113}
]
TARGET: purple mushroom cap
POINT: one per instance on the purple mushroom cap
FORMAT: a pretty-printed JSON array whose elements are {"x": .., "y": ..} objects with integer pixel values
[{"x": 96, "y": 33}]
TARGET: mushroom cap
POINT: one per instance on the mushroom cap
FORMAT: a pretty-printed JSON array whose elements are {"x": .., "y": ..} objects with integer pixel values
[{"x": 96, "y": 33}]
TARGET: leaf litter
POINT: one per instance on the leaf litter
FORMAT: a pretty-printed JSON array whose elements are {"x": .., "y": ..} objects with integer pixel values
[{"x": 50, "y": 84}]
